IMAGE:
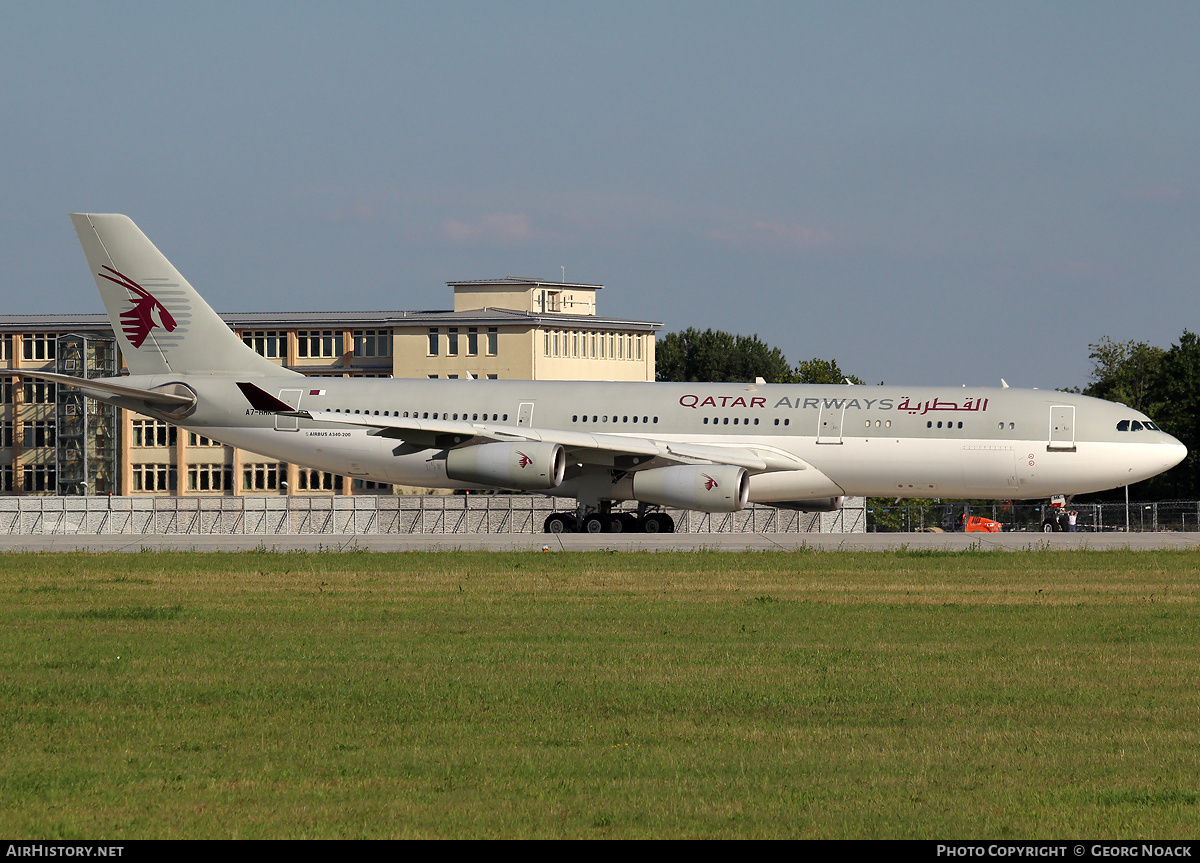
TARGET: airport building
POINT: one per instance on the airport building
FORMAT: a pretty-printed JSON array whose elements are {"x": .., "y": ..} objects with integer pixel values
[{"x": 54, "y": 441}]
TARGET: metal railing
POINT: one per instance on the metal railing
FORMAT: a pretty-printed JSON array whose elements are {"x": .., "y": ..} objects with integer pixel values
[
  {"x": 1139, "y": 516},
  {"x": 365, "y": 514}
]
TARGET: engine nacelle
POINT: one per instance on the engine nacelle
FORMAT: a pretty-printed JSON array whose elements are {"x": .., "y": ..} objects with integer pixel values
[
  {"x": 708, "y": 488},
  {"x": 525, "y": 466},
  {"x": 797, "y": 486},
  {"x": 820, "y": 504}
]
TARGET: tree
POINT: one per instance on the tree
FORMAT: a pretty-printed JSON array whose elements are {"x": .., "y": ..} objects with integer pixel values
[
  {"x": 1176, "y": 402},
  {"x": 1164, "y": 385},
  {"x": 712, "y": 355},
  {"x": 818, "y": 371},
  {"x": 1125, "y": 372}
]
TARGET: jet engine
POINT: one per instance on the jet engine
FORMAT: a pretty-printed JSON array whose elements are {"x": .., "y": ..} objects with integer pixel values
[
  {"x": 708, "y": 487},
  {"x": 526, "y": 466}
]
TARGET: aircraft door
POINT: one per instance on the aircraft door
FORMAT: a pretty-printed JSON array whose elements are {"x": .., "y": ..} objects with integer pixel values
[
  {"x": 525, "y": 414},
  {"x": 829, "y": 421},
  {"x": 1062, "y": 428},
  {"x": 282, "y": 423}
]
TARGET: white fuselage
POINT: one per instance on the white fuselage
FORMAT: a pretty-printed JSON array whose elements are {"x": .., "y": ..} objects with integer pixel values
[{"x": 876, "y": 441}]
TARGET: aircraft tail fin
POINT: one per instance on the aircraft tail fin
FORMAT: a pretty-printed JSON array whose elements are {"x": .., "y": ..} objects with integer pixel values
[{"x": 162, "y": 325}]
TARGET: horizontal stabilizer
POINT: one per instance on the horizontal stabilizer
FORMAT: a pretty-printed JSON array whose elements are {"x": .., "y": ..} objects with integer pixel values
[{"x": 170, "y": 402}]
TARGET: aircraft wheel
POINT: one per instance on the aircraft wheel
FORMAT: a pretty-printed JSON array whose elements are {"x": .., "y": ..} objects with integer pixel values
[
  {"x": 595, "y": 523},
  {"x": 1047, "y": 527},
  {"x": 657, "y": 522},
  {"x": 559, "y": 522}
]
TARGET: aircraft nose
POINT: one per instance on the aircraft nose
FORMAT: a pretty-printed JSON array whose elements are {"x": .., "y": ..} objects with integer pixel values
[{"x": 1174, "y": 453}]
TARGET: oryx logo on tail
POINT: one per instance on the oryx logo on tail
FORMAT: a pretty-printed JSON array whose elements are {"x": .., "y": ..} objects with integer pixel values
[{"x": 146, "y": 314}]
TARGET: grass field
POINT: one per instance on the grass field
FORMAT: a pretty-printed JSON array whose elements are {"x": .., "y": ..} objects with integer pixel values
[{"x": 886, "y": 694}]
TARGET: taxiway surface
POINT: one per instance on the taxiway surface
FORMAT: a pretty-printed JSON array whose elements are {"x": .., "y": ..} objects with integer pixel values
[{"x": 599, "y": 542}]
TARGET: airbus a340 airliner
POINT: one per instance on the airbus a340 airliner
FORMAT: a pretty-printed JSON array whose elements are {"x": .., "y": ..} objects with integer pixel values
[{"x": 698, "y": 446}]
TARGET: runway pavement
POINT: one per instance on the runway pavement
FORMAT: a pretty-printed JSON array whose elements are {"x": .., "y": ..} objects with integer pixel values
[{"x": 596, "y": 542}]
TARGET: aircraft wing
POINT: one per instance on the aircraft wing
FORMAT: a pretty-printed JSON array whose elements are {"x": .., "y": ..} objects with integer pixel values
[{"x": 628, "y": 452}]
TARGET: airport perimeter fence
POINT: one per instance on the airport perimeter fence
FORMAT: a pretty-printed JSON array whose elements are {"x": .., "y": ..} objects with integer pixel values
[
  {"x": 1108, "y": 516},
  {"x": 364, "y": 514}
]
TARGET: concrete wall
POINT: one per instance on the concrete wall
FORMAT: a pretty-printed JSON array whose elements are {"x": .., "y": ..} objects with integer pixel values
[{"x": 341, "y": 515}]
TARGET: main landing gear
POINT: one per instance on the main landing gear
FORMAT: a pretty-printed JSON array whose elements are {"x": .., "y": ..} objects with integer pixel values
[{"x": 610, "y": 522}]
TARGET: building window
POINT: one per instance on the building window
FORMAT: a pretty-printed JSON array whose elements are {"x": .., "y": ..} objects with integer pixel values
[
  {"x": 372, "y": 343},
  {"x": 39, "y": 346},
  {"x": 452, "y": 342},
  {"x": 38, "y": 433},
  {"x": 210, "y": 477},
  {"x": 38, "y": 392},
  {"x": 6, "y": 353},
  {"x": 492, "y": 337},
  {"x": 433, "y": 341},
  {"x": 199, "y": 440},
  {"x": 6, "y": 391},
  {"x": 268, "y": 343},
  {"x": 319, "y": 343},
  {"x": 371, "y": 485},
  {"x": 316, "y": 480},
  {"x": 260, "y": 477},
  {"x": 6, "y": 434},
  {"x": 472, "y": 341},
  {"x": 153, "y": 477},
  {"x": 6, "y": 477},
  {"x": 40, "y": 477},
  {"x": 153, "y": 433}
]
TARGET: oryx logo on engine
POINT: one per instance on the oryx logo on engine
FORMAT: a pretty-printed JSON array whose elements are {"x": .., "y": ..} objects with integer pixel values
[
  {"x": 709, "y": 482},
  {"x": 524, "y": 460},
  {"x": 146, "y": 314}
]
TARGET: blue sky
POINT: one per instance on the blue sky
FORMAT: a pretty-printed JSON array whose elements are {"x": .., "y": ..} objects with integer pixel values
[{"x": 928, "y": 192}]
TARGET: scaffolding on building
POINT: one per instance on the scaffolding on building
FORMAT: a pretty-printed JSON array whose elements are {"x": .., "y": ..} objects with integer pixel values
[{"x": 85, "y": 429}]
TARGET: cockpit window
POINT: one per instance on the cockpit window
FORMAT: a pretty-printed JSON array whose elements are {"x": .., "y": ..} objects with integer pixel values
[{"x": 1136, "y": 425}]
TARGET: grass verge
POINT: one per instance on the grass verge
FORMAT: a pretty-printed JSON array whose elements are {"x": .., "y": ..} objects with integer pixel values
[{"x": 902, "y": 694}]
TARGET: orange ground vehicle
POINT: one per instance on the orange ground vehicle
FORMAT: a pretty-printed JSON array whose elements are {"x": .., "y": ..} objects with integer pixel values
[{"x": 979, "y": 524}]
